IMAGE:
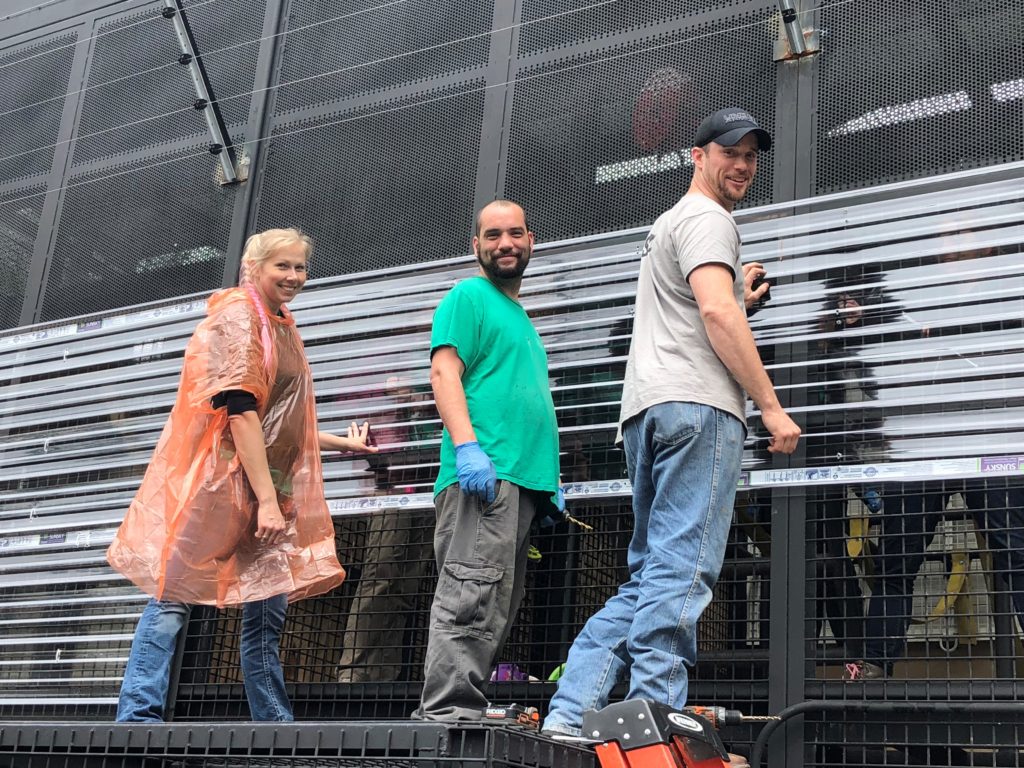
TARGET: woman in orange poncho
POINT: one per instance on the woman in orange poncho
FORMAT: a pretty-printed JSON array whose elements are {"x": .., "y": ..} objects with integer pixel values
[{"x": 231, "y": 510}]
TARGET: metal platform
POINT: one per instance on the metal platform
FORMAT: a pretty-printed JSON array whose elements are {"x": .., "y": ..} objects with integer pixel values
[{"x": 395, "y": 744}]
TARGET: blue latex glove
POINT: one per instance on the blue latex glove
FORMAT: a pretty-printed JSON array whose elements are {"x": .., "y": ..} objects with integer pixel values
[
  {"x": 475, "y": 471},
  {"x": 558, "y": 499}
]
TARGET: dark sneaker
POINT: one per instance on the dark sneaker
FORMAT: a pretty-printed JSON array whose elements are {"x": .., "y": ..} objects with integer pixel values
[{"x": 863, "y": 670}]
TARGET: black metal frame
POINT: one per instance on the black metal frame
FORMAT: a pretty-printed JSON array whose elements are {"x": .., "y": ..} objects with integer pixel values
[{"x": 416, "y": 745}]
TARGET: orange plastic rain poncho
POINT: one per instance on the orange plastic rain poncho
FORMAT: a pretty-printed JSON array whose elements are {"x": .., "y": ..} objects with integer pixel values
[{"x": 188, "y": 535}]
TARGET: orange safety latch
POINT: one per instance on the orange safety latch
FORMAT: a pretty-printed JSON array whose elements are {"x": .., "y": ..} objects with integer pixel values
[{"x": 645, "y": 734}]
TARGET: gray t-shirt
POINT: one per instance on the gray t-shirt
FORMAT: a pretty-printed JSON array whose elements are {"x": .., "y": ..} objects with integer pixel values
[{"x": 671, "y": 357}]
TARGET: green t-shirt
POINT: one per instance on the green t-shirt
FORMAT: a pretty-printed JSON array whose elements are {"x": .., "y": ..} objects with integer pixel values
[{"x": 506, "y": 384}]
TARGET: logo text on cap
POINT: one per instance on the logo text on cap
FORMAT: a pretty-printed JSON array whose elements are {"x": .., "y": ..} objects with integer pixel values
[{"x": 732, "y": 117}]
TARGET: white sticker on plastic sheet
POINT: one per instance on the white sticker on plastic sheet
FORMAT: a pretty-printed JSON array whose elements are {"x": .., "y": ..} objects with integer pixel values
[
  {"x": 30, "y": 337},
  {"x": 987, "y": 466},
  {"x": 10, "y": 543},
  {"x": 114, "y": 321},
  {"x": 341, "y": 507},
  {"x": 85, "y": 539},
  {"x": 174, "y": 310}
]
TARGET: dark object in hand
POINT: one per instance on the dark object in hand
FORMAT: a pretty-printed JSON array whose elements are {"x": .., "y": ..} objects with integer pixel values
[{"x": 757, "y": 283}]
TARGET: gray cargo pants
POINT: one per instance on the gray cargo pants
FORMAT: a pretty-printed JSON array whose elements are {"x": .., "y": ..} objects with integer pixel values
[{"x": 481, "y": 564}]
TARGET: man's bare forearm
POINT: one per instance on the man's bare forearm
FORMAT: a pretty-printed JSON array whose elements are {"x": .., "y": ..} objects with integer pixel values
[
  {"x": 734, "y": 344},
  {"x": 450, "y": 398}
]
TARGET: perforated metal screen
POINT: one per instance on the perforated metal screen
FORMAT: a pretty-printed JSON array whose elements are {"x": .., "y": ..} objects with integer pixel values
[
  {"x": 19, "y": 218},
  {"x": 909, "y": 89},
  {"x": 601, "y": 141},
  {"x": 140, "y": 96},
  {"x": 546, "y": 23},
  {"x": 32, "y": 78},
  {"x": 334, "y": 50},
  {"x": 151, "y": 229},
  {"x": 386, "y": 185}
]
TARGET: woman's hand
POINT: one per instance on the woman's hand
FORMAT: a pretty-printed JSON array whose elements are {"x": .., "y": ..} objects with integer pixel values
[
  {"x": 357, "y": 439},
  {"x": 270, "y": 525}
]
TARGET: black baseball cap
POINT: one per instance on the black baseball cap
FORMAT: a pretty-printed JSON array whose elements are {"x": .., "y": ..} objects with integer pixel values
[{"x": 728, "y": 127}]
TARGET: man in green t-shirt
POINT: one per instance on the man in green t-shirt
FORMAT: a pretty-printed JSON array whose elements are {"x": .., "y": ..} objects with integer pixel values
[{"x": 499, "y": 464}]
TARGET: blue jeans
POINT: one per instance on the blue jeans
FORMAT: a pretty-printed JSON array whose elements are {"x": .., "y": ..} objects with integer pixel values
[
  {"x": 684, "y": 462},
  {"x": 147, "y": 677}
]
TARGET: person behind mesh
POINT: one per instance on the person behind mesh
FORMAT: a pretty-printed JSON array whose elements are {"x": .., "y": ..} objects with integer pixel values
[
  {"x": 396, "y": 558},
  {"x": 231, "y": 510},
  {"x": 997, "y": 508},
  {"x": 912, "y": 511},
  {"x": 847, "y": 428}
]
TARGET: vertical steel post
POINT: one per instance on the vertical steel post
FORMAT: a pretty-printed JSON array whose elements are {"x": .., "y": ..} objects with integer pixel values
[
  {"x": 794, "y": 32},
  {"x": 205, "y": 103}
]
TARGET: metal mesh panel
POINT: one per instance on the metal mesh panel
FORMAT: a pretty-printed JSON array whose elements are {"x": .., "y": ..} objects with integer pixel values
[
  {"x": 18, "y": 228},
  {"x": 391, "y": 184},
  {"x": 908, "y": 343},
  {"x": 153, "y": 231},
  {"x": 236, "y": 25},
  {"x": 909, "y": 89},
  {"x": 378, "y": 45},
  {"x": 24, "y": 82},
  {"x": 589, "y": 22},
  {"x": 601, "y": 142},
  {"x": 882, "y": 736},
  {"x": 122, "y": 91},
  {"x": 369, "y": 635},
  {"x": 940, "y": 566},
  {"x": 358, "y": 652}
]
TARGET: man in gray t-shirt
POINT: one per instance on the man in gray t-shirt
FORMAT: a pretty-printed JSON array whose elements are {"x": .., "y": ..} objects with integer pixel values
[
  {"x": 671, "y": 357},
  {"x": 683, "y": 426}
]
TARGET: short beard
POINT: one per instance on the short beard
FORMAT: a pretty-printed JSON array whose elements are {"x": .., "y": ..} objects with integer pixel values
[
  {"x": 728, "y": 195},
  {"x": 726, "y": 192},
  {"x": 493, "y": 271}
]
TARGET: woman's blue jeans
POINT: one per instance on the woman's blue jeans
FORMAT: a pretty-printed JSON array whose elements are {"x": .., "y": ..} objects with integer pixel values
[
  {"x": 146, "y": 680},
  {"x": 684, "y": 462}
]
